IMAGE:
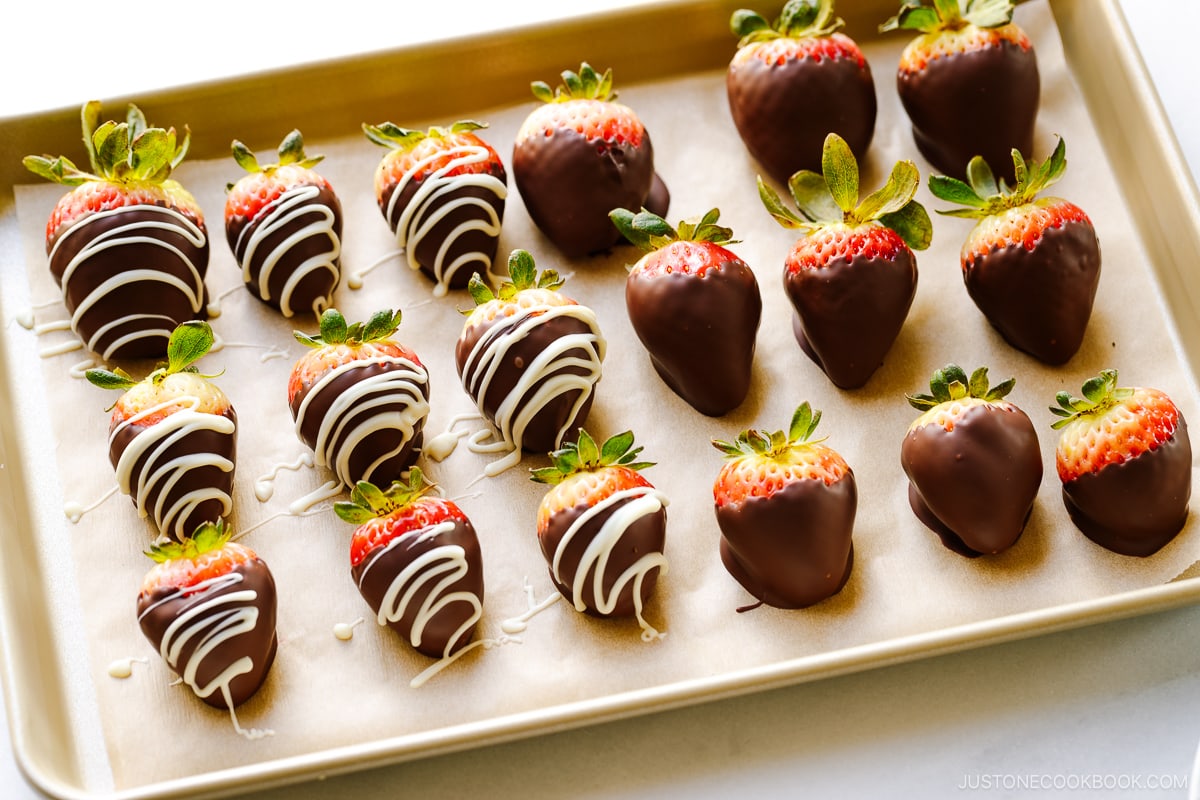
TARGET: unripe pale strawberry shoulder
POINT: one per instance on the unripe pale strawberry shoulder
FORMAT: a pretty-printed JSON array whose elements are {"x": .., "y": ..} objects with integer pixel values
[
  {"x": 1023, "y": 225},
  {"x": 594, "y": 120},
  {"x": 764, "y": 475},
  {"x": 175, "y": 392},
  {"x": 97, "y": 196},
  {"x": 777, "y": 52},
  {"x": 254, "y": 192},
  {"x": 587, "y": 488},
  {"x": 947, "y": 415},
  {"x": 869, "y": 240},
  {"x": 1133, "y": 426},
  {"x": 317, "y": 362},
  {"x": 522, "y": 301},
  {"x": 419, "y": 515},
  {"x": 184, "y": 572},
  {"x": 940, "y": 44}
]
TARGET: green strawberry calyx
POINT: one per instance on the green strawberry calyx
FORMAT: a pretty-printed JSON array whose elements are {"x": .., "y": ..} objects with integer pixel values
[
  {"x": 188, "y": 343},
  {"x": 832, "y": 197},
  {"x": 650, "y": 232},
  {"x": 1099, "y": 395},
  {"x": 119, "y": 152},
  {"x": 587, "y": 84},
  {"x": 799, "y": 19},
  {"x": 335, "y": 330},
  {"x": 585, "y": 456},
  {"x": 393, "y": 137},
  {"x": 367, "y": 501},
  {"x": 522, "y": 274},
  {"x": 291, "y": 151},
  {"x": 982, "y": 195},
  {"x": 208, "y": 537},
  {"x": 948, "y": 15},
  {"x": 752, "y": 442},
  {"x": 951, "y": 383}
]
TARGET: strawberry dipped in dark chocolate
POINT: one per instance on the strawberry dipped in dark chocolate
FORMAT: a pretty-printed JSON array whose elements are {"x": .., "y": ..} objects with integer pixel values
[
  {"x": 127, "y": 245},
  {"x": 786, "y": 504},
  {"x": 172, "y": 437},
  {"x": 852, "y": 276},
  {"x": 579, "y": 155},
  {"x": 283, "y": 223},
  {"x": 695, "y": 306},
  {"x": 416, "y": 561},
  {"x": 969, "y": 82},
  {"x": 792, "y": 82},
  {"x": 1125, "y": 462},
  {"x": 1032, "y": 265},
  {"x": 973, "y": 462}
]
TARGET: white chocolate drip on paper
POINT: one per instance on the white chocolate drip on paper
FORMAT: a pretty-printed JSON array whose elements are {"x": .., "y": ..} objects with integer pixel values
[
  {"x": 154, "y": 443},
  {"x": 134, "y": 233},
  {"x": 122, "y": 668},
  {"x": 519, "y": 407},
  {"x": 325, "y": 491},
  {"x": 75, "y": 511},
  {"x": 441, "y": 446},
  {"x": 214, "y": 621},
  {"x": 282, "y": 212},
  {"x": 427, "y": 208},
  {"x": 264, "y": 486},
  {"x": 270, "y": 351},
  {"x": 355, "y": 280},
  {"x": 344, "y": 631}
]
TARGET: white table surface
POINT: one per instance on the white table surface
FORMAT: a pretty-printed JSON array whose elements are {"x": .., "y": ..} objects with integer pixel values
[{"x": 1113, "y": 706}]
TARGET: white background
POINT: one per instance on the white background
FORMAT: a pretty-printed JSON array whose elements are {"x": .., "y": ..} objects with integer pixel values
[{"x": 1115, "y": 703}]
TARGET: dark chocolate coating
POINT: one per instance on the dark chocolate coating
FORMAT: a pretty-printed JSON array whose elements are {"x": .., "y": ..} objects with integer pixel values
[
  {"x": 979, "y": 480},
  {"x": 377, "y": 443},
  {"x": 258, "y": 644},
  {"x": 783, "y": 112},
  {"x": 375, "y": 574},
  {"x": 166, "y": 305},
  {"x": 197, "y": 478},
  {"x": 1136, "y": 507},
  {"x": 981, "y": 102},
  {"x": 542, "y": 433},
  {"x": 315, "y": 287},
  {"x": 850, "y": 311},
  {"x": 1040, "y": 300},
  {"x": 794, "y": 548},
  {"x": 647, "y": 534},
  {"x": 473, "y": 241},
  {"x": 569, "y": 185},
  {"x": 699, "y": 331},
  {"x": 658, "y": 201}
]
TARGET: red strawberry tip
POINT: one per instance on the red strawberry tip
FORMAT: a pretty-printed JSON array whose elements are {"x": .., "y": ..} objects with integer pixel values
[
  {"x": 650, "y": 232},
  {"x": 753, "y": 442},
  {"x": 335, "y": 330},
  {"x": 951, "y": 383},
  {"x": 585, "y": 456},
  {"x": 799, "y": 19}
]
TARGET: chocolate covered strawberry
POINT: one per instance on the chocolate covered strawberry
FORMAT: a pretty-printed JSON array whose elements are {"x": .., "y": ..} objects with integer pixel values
[
  {"x": 792, "y": 82},
  {"x": 786, "y": 503},
  {"x": 127, "y": 245},
  {"x": 208, "y": 606},
  {"x": 415, "y": 558},
  {"x": 1125, "y": 462},
  {"x": 853, "y": 275},
  {"x": 972, "y": 461},
  {"x": 283, "y": 223},
  {"x": 442, "y": 192},
  {"x": 969, "y": 82},
  {"x": 695, "y": 306},
  {"x": 359, "y": 398},
  {"x": 530, "y": 357},
  {"x": 1032, "y": 265},
  {"x": 602, "y": 527},
  {"x": 578, "y": 156},
  {"x": 172, "y": 437}
]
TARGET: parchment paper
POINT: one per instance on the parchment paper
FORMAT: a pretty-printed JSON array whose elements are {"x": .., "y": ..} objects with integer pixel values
[{"x": 325, "y": 693}]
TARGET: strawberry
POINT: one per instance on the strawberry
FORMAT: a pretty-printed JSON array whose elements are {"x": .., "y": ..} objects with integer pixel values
[
  {"x": 1125, "y": 462},
  {"x": 578, "y": 156},
  {"x": 972, "y": 461},
  {"x": 416, "y": 561},
  {"x": 127, "y": 245},
  {"x": 602, "y": 527},
  {"x": 1031, "y": 265},
  {"x": 785, "y": 503},
  {"x": 208, "y": 605},
  {"x": 283, "y": 223},
  {"x": 852, "y": 276},
  {"x": 442, "y": 192},
  {"x": 172, "y": 437},
  {"x": 969, "y": 82},
  {"x": 791, "y": 83},
  {"x": 695, "y": 306},
  {"x": 359, "y": 398},
  {"x": 530, "y": 357}
]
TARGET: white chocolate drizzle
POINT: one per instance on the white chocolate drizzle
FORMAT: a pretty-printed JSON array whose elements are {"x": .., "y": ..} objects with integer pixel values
[
  {"x": 154, "y": 442},
  {"x": 75, "y": 511},
  {"x": 344, "y": 631},
  {"x": 270, "y": 351},
  {"x": 519, "y": 407},
  {"x": 264, "y": 487},
  {"x": 290, "y": 206},
  {"x": 138, "y": 232},
  {"x": 427, "y": 208},
  {"x": 325, "y": 491},
  {"x": 122, "y": 668},
  {"x": 355, "y": 281}
]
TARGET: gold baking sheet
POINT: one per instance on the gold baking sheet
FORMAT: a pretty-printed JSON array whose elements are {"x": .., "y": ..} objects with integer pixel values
[{"x": 75, "y": 729}]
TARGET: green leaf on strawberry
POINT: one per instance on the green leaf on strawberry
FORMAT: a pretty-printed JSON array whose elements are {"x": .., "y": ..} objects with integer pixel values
[
  {"x": 335, "y": 330},
  {"x": 982, "y": 196},
  {"x": 587, "y": 84},
  {"x": 367, "y": 501},
  {"x": 209, "y": 536},
  {"x": 585, "y": 456},
  {"x": 650, "y": 232},
  {"x": 522, "y": 274},
  {"x": 952, "y": 383},
  {"x": 1100, "y": 393},
  {"x": 799, "y": 19},
  {"x": 773, "y": 444},
  {"x": 948, "y": 15},
  {"x": 188, "y": 343}
]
